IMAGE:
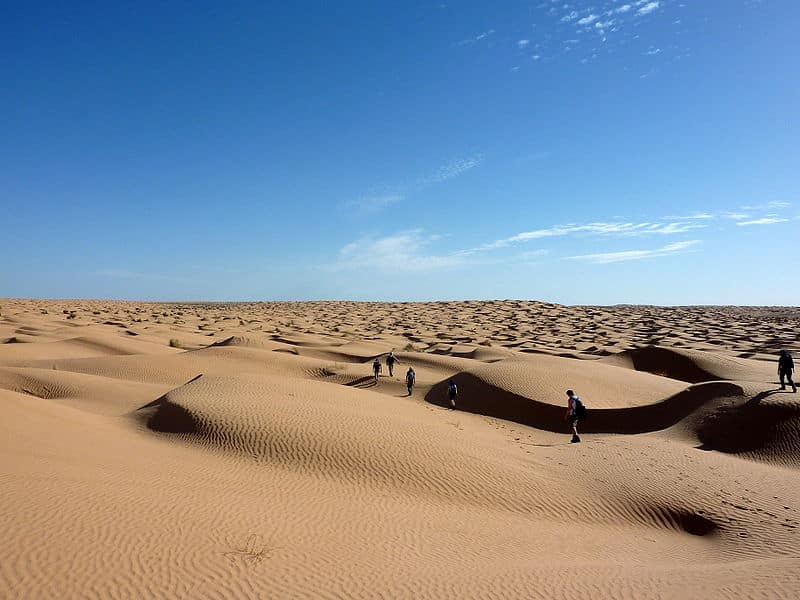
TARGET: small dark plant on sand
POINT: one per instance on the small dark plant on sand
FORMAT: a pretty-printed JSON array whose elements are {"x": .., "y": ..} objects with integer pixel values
[{"x": 252, "y": 552}]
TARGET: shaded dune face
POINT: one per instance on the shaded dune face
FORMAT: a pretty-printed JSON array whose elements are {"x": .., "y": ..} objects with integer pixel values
[
  {"x": 246, "y": 451},
  {"x": 482, "y": 398},
  {"x": 687, "y": 365},
  {"x": 759, "y": 427}
]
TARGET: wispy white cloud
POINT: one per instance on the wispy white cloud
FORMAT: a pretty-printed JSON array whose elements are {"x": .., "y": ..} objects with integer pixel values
[
  {"x": 530, "y": 255},
  {"x": 374, "y": 202},
  {"x": 671, "y": 228},
  {"x": 475, "y": 39},
  {"x": 627, "y": 255},
  {"x": 773, "y": 205},
  {"x": 646, "y": 9},
  {"x": 763, "y": 221},
  {"x": 702, "y": 216},
  {"x": 403, "y": 251},
  {"x": 523, "y": 43},
  {"x": 614, "y": 22},
  {"x": 412, "y": 251},
  {"x": 452, "y": 169},
  {"x": 599, "y": 228}
]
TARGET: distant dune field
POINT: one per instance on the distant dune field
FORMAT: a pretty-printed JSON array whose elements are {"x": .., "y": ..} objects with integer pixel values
[{"x": 244, "y": 451}]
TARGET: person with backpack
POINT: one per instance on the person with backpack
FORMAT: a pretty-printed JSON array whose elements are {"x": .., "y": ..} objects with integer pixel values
[
  {"x": 376, "y": 368},
  {"x": 785, "y": 368},
  {"x": 411, "y": 379},
  {"x": 390, "y": 361},
  {"x": 452, "y": 393},
  {"x": 576, "y": 412}
]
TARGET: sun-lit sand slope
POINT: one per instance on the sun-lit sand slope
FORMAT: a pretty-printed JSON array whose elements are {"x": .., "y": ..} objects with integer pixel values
[{"x": 244, "y": 451}]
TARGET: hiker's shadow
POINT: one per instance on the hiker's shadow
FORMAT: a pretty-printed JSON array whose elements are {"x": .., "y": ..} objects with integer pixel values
[
  {"x": 755, "y": 400},
  {"x": 363, "y": 382}
]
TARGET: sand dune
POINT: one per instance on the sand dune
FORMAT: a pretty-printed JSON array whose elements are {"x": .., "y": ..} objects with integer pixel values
[
  {"x": 691, "y": 365},
  {"x": 245, "y": 451}
]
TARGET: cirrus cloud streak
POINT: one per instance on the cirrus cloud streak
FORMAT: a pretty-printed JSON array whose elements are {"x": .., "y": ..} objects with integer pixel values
[{"x": 627, "y": 255}]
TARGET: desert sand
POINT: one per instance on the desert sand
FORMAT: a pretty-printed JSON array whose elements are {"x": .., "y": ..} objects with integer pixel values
[{"x": 243, "y": 451}]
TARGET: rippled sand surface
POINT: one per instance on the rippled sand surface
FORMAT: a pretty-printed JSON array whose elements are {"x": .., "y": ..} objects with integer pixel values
[{"x": 245, "y": 451}]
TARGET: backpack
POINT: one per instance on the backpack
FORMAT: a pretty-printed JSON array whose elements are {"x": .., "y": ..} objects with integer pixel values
[{"x": 580, "y": 409}]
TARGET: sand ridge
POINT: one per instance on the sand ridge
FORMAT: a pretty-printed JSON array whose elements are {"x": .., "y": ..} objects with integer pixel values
[{"x": 244, "y": 451}]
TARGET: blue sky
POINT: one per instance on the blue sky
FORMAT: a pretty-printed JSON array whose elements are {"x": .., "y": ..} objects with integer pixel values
[{"x": 575, "y": 151}]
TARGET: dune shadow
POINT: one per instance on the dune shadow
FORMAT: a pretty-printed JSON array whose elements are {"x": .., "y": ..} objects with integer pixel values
[
  {"x": 755, "y": 426},
  {"x": 164, "y": 416},
  {"x": 363, "y": 382},
  {"x": 478, "y": 396}
]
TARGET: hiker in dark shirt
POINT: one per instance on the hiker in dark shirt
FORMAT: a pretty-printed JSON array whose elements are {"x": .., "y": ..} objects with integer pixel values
[
  {"x": 390, "y": 362},
  {"x": 785, "y": 368},
  {"x": 411, "y": 379},
  {"x": 452, "y": 393},
  {"x": 575, "y": 412},
  {"x": 376, "y": 369}
]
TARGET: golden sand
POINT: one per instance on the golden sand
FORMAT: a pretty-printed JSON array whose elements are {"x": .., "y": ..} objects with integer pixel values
[{"x": 244, "y": 451}]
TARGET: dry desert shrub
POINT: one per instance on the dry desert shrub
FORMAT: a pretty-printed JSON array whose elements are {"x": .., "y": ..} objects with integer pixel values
[{"x": 252, "y": 552}]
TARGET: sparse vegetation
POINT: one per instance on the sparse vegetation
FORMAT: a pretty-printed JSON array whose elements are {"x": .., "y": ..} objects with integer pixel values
[
  {"x": 334, "y": 369},
  {"x": 409, "y": 348},
  {"x": 175, "y": 343},
  {"x": 253, "y": 552}
]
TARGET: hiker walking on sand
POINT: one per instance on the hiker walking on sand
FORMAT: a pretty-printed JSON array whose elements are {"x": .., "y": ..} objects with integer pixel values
[
  {"x": 452, "y": 393},
  {"x": 411, "y": 379},
  {"x": 785, "y": 368},
  {"x": 575, "y": 412},
  {"x": 390, "y": 360},
  {"x": 376, "y": 369}
]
